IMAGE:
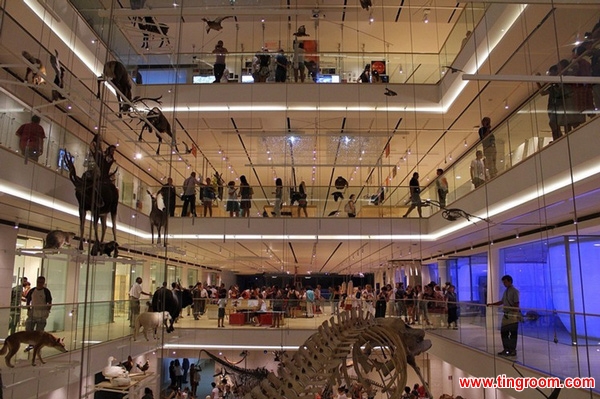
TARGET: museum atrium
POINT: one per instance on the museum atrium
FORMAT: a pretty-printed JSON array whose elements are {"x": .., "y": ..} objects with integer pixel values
[{"x": 305, "y": 115}]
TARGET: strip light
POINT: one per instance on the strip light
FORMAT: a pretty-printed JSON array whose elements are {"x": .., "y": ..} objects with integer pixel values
[
  {"x": 495, "y": 209},
  {"x": 93, "y": 63},
  {"x": 230, "y": 347}
]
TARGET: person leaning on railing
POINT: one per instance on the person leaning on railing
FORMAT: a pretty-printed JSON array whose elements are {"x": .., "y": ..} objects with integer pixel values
[{"x": 509, "y": 328}]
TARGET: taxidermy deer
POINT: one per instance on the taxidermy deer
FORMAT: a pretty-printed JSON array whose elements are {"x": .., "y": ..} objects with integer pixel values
[
  {"x": 158, "y": 218},
  {"x": 150, "y": 25},
  {"x": 159, "y": 122}
]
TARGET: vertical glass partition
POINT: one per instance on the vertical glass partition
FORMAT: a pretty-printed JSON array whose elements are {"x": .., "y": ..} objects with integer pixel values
[{"x": 556, "y": 275}]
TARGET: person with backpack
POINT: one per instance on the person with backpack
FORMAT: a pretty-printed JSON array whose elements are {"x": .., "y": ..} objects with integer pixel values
[{"x": 39, "y": 303}]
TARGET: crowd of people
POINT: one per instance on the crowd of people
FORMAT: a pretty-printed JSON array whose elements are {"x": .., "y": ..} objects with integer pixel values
[
  {"x": 413, "y": 304},
  {"x": 184, "y": 379}
]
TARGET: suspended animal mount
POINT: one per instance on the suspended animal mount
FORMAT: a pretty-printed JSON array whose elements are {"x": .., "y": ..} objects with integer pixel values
[
  {"x": 110, "y": 248},
  {"x": 352, "y": 347},
  {"x": 453, "y": 214},
  {"x": 390, "y": 93},
  {"x": 59, "y": 76},
  {"x": 96, "y": 193},
  {"x": 119, "y": 77},
  {"x": 128, "y": 364},
  {"x": 164, "y": 301},
  {"x": 158, "y": 219},
  {"x": 143, "y": 367},
  {"x": 365, "y": 4},
  {"x": 56, "y": 239},
  {"x": 149, "y": 25},
  {"x": 36, "y": 74},
  {"x": 158, "y": 121},
  {"x": 215, "y": 24}
]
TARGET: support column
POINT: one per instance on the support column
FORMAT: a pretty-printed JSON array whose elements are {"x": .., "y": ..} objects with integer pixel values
[
  {"x": 8, "y": 244},
  {"x": 495, "y": 288}
]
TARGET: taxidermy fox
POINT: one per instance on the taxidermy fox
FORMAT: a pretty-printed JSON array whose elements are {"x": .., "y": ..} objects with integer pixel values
[{"x": 37, "y": 339}]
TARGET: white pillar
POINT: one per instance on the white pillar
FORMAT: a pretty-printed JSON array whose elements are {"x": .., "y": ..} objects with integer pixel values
[{"x": 8, "y": 244}]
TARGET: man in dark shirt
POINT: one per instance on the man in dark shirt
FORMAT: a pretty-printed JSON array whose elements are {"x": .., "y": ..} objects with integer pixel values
[
  {"x": 281, "y": 69},
  {"x": 509, "y": 328},
  {"x": 219, "y": 66},
  {"x": 169, "y": 195},
  {"x": 415, "y": 195},
  {"x": 489, "y": 146}
]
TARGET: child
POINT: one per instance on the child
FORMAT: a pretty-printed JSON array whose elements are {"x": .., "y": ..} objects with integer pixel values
[{"x": 222, "y": 304}]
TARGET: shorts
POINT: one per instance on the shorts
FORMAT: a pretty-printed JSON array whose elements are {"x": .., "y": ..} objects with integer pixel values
[
  {"x": 233, "y": 206},
  {"x": 221, "y": 313}
]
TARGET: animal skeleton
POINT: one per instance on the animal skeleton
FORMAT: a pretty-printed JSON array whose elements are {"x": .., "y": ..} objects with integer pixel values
[{"x": 380, "y": 349}]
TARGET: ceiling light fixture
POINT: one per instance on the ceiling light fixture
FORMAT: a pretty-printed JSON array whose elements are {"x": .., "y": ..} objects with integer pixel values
[
  {"x": 426, "y": 15},
  {"x": 506, "y": 104}
]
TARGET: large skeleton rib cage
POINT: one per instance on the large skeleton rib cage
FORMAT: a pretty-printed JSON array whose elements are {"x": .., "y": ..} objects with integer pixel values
[{"x": 352, "y": 347}]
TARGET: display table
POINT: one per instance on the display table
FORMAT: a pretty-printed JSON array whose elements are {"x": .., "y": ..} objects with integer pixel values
[
  {"x": 265, "y": 319},
  {"x": 132, "y": 391},
  {"x": 237, "y": 319}
]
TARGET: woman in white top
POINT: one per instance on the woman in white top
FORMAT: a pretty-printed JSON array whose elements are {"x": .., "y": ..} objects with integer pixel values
[{"x": 261, "y": 308}]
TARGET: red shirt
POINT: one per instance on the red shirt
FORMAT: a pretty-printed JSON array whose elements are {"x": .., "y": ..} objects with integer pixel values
[{"x": 32, "y": 135}]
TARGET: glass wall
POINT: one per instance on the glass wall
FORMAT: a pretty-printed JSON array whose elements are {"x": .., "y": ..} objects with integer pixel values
[
  {"x": 552, "y": 276},
  {"x": 469, "y": 275}
]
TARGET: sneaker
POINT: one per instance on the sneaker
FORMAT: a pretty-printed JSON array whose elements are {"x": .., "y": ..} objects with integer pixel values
[
  {"x": 503, "y": 353},
  {"x": 29, "y": 347},
  {"x": 511, "y": 353}
]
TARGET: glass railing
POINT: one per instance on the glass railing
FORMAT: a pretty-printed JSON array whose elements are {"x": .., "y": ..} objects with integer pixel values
[
  {"x": 524, "y": 133},
  {"x": 543, "y": 336},
  {"x": 81, "y": 324},
  {"x": 170, "y": 65},
  {"x": 320, "y": 201}
]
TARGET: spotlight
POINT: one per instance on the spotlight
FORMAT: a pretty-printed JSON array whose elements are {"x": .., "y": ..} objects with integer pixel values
[
  {"x": 426, "y": 15},
  {"x": 506, "y": 104},
  {"x": 16, "y": 225}
]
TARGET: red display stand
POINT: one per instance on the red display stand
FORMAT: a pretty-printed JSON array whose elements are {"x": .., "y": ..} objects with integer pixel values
[
  {"x": 237, "y": 319},
  {"x": 265, "y": 319}
]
